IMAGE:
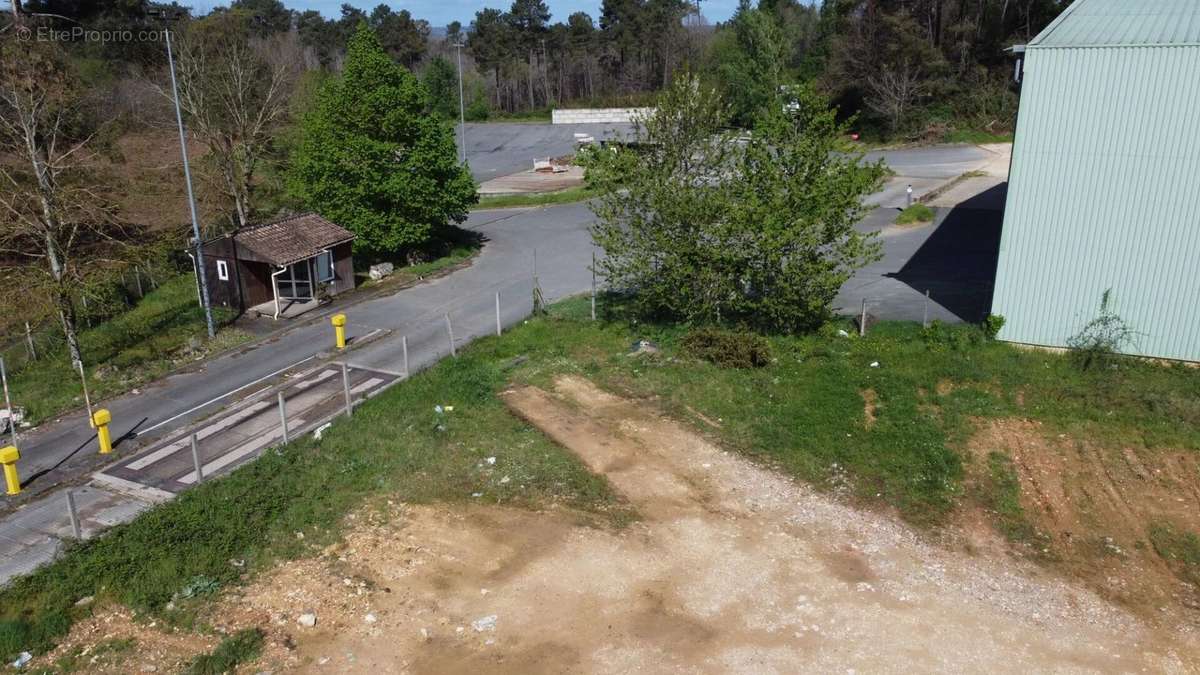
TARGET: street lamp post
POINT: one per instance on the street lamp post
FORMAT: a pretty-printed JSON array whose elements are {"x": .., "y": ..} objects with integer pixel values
[
  {"x": 187, "y": 174},
  {"x": 462, "y": 115}
]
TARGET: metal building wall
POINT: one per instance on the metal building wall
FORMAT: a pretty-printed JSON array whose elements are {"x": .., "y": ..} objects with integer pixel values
[{"x": 1104, "y": 193}]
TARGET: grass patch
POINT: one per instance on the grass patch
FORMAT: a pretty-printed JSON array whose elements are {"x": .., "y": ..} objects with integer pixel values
[
  {"x": 453, "y": 254},
  {"x": 802, "y": 413},
  {"x": 527, "y": 116},
  {"x": 976, "y": 137},
  {"x": 1002, "y": 495},
  {"x": 568, "y": 196},
  {"x": 241, "y": 647},
  {"x": 107, "y": 652},
  {"x": 176, "y": 557},
  {"x": 917, "y": 213},
  {"x": 1180, "y": 548},
  {"x": 163, "y": 331}
]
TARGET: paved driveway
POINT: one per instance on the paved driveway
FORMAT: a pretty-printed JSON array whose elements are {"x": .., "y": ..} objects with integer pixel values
[{"x": 560, "y": 237}]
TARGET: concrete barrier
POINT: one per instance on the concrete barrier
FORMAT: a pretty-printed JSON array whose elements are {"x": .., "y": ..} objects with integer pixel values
[{"x": 598, "y": 115}]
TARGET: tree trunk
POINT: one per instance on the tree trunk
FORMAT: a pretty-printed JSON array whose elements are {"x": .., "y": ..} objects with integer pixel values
[
  {"x": 18, "y": 13},
  {"x": 529, "y": 79}
]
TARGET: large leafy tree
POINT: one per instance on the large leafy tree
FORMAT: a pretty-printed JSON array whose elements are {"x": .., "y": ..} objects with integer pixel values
[
  {"x": 373, "y": 159},
  {"x": 705, "y": 226},
  {"x": 750, "y": 62}
]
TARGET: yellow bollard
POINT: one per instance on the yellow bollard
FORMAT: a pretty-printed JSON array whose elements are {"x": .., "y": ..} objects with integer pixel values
[
  {"x": 9, "y": 457},
  {"x": 100, "y": 420},
  {"x": 339, "y": 327}
]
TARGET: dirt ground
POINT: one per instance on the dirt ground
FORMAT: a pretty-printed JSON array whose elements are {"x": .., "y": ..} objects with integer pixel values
[
  {"x": 1092, "y": 507},
  {"x": 732, "y": 568}
]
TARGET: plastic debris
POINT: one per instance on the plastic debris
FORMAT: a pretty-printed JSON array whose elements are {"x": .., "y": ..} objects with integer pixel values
[
  {"x": 490, "y": 460},
  {"x": 26, "y": 657},
  {"x": 874, "y": 364},
  {"x": 843, "y": 333},
  {"x": 486, "y": 623}
]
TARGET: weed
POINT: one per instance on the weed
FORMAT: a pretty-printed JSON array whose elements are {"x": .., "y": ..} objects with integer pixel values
[
  {"x": 1003, "y": 496},
  {"x": 917, "y": 213},
  {"x": 992, "y": 325},
  {"x": 241, "y": 647},
  {"x": 1181, "y": 549},
  {"x": 1101, "y": 338},
  {"x": 568, "y": 196},
  {"x": 728, "y": 349}
]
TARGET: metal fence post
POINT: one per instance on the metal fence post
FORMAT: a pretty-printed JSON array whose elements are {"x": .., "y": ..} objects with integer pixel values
[
  {"x": 196, "y": 459},
  {"x": 283, "y": 417},
  {"x": 404, "y": 344},
  {"x": 346, "y": 388},
  {"x": 497, "y": 313},
  {"x": 29, "y": 342},
  {"x": 12, "y": 421},
  {"x": 862, "y": 320},
  {"x": 137, "y": 274},
  {"x": 450, "y": 331},
  {"x": 73, "y": 514},
  {"x": 925, "y": 319},
  {"x": 593, "y": 285}
]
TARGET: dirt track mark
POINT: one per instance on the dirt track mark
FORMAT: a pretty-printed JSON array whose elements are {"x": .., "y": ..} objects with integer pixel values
[
  {"x": 1097, "y": 503},
  {"x": 732, "y": 569}
]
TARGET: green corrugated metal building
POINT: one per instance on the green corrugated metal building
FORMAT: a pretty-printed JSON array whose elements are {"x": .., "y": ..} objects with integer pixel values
[{"x": 1104, "y": 188}]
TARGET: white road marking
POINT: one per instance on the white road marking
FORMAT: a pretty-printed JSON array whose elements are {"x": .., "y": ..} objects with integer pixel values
[
  {"x": 248, "y": 448},
  {"x": 168, "y": 450},
  {"x": 228, "y": 393},
  {"x": 363, "y": 386},
  {"x": 325, "y": 375}
]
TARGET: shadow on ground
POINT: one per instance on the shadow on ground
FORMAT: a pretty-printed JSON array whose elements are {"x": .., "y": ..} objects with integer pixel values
[{"x": 957, "y": 263}]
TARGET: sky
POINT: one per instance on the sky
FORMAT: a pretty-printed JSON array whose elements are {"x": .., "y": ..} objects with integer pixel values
[{"x": 441, "y": 12}]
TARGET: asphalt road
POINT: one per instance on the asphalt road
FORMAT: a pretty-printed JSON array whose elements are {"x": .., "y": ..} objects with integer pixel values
[
  {"x": 499, "y": 149},
  {"x": 65, "y": 449}
]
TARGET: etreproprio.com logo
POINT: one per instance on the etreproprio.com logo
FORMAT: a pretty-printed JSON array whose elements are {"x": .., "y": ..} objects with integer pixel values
[{"x": 82, "y": 34}]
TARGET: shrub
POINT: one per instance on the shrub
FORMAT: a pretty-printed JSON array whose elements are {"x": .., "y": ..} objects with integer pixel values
[
  {"x": 1102, "y": 337},
  {"x": 992, "y": 325},
  {"x": 728, "y": 349},
  {"x": 917, "y": 213}
]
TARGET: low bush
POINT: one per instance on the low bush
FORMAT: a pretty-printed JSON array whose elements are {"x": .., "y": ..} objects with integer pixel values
[
  {"x": 917, "y": 213},
  {"x": 728, "y": 349}
]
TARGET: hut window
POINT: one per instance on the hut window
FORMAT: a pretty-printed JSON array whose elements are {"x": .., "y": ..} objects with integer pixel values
[
  {"x": 325, "y": 266},
  {"x": 222, "y": 270}
]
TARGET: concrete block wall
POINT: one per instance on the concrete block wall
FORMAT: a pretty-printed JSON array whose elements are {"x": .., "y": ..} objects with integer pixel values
[{"x": 598, "y": 115}]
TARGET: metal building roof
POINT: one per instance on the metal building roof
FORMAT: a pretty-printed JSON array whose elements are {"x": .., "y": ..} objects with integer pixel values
[{"x": 1123, "y": 23}]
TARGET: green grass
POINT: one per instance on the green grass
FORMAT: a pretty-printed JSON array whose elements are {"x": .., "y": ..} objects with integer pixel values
[
  {"x": 139, "y": 345},
  {"x": 179, "y": 554},
  {"x": 1002, "y": 495},
  {"x": 454, "y": 253},
  {"x": 568, "y": 196},
  {"x": 531, "y": 116},
  {"x": 976, "y": 137},
  {"x": 802, "y": 413},
  {"x": 917, "y": 213},
  {"x": 1180, "y": 548},
  {"x": 241, "y": 647}
]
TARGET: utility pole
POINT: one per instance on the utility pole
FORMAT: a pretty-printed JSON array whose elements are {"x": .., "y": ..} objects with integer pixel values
[
  {"x": 462, "y": 115},
  {"x": 187, "y": 174}
]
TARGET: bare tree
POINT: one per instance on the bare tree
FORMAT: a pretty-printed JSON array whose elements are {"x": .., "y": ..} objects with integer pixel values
[
  {"x": 893, "y": 91},
  {"x": 52, "y": 214},
  {"x": 235, "y": 90}
]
